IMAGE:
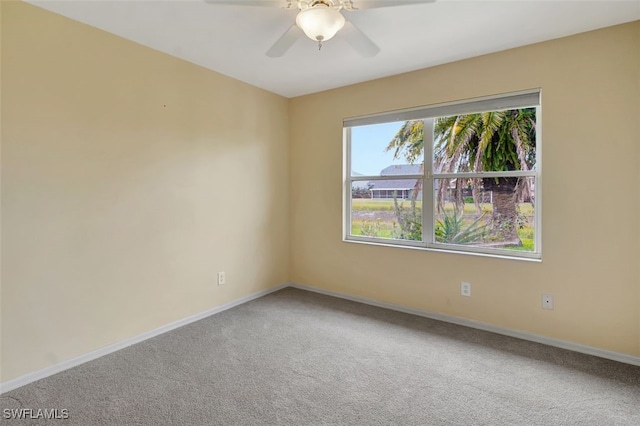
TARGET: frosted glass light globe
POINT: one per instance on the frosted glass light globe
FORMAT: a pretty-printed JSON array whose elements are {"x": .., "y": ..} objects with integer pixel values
[{"x": 320, "y": 23}]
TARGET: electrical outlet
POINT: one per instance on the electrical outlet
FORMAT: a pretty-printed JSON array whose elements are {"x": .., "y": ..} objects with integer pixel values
[
  {"x": 465, "y": 289},
  {"x": 547, "y": 301},
  {"x": 222, "y": 278}
]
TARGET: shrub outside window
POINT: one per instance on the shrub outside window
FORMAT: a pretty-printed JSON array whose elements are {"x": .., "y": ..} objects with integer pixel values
[{"x": 462, "y": 176}]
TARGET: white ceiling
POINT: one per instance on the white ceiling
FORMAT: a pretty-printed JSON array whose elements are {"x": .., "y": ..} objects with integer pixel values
[{"x": 232, "y": 40}]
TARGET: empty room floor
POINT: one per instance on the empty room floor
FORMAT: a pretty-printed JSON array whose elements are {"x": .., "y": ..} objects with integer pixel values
[{"x": 295, "y": 357}]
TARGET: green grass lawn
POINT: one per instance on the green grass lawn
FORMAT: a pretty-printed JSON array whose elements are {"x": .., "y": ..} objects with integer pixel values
[
  {"x": 376, "y": 218},
  {"x": 382, "y": 229}
]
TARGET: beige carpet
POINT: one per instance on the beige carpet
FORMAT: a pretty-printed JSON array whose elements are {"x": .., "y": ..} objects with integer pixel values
[{"x": 300, "y": 358}]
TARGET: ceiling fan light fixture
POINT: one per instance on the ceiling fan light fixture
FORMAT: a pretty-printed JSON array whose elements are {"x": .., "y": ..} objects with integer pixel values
[{"x": 320, "y": 22}]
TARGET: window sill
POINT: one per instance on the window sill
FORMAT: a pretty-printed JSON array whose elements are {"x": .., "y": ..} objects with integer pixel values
[{"x": 439, "y": 250}]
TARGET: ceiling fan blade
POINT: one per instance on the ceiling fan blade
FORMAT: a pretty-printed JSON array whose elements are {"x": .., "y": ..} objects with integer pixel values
[
  {"x": 285, "y": 42},
  {"x": 285, "y": 4},
  {"x": 375, "y": 4},
  {"x": 359, "y": 41}
]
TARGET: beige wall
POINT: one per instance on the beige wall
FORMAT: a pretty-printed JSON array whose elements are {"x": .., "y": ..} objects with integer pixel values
[
  {"x": 591, "y": 201},
  {"x": 129, "y": 178}
]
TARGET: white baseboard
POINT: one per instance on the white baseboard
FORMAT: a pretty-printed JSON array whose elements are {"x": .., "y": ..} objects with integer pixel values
[
  {"x": 70, "y": 363},
  {"x": 576, "y": 347}
]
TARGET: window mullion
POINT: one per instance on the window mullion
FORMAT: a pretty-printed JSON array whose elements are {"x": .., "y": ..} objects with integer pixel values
[
  {"x": 427, "y": 184},
  {"x": 385, "y": 177},
  {"x": 508, "y": 173},
  {"x": 347, "y": 183},
  {"x": 538, "y": 188}
]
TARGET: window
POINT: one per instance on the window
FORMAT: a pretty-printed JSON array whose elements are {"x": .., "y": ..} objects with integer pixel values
[{"x": 461, "y": 176}]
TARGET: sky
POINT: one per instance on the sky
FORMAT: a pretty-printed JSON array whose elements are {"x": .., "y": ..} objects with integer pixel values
[{"x": 368, "y": 143}]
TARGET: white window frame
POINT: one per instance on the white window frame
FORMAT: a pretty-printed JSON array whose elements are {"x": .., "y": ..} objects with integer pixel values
[{"x": 514, "y": 100}]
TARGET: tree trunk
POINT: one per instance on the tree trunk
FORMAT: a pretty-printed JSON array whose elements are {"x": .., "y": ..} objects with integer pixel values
[{"x": 505, "y": 212}]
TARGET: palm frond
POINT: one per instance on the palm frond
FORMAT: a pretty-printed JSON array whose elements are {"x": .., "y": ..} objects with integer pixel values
[{"x": 408, "y": 141}]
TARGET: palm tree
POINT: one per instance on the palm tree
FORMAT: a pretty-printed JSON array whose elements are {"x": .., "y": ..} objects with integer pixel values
[{"x": 488, "y": 141}]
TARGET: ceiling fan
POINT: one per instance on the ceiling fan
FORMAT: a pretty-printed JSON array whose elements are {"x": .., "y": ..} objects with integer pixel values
[{"x": 320, "y": 20}]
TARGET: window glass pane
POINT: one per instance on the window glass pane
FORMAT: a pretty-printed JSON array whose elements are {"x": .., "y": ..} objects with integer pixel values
[
  {"x": 373, "y": 152},
  {"x": 489, "y": 141},
  {"x": 490, "y": 213},
  {"x": 483, "y": 213},
  {"x": 379, "y": 210}
]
